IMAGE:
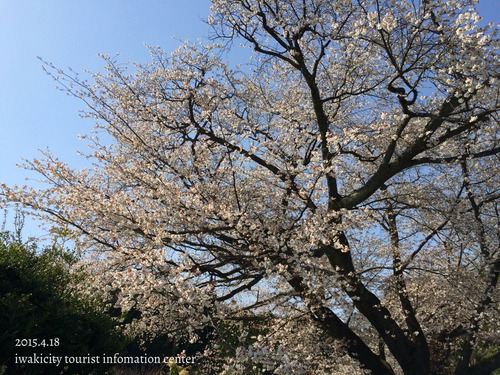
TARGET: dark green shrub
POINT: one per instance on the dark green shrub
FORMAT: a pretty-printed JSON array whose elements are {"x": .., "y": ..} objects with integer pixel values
[{"x": 36, "y": 303}]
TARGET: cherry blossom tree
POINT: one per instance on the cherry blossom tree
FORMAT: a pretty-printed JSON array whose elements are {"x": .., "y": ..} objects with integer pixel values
[{"x": 344, "y": 181}]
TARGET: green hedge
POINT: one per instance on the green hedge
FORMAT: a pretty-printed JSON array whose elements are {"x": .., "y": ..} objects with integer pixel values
[{"x": 37, "y": 304}]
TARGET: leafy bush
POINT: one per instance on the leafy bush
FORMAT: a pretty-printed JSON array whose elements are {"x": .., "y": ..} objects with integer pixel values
[{"x": 36, "y": 303}]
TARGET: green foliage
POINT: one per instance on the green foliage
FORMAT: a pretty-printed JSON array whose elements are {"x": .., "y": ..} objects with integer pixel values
[
  {"x": 485, "y": 351},
  {"x": 227, "y": 337},
  {"x": 36, "y": 302},
  {"x": 174, "y": 370}
]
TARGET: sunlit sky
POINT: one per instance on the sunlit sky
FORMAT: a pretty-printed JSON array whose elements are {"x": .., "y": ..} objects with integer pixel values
[{"x": 69, "y": 33}]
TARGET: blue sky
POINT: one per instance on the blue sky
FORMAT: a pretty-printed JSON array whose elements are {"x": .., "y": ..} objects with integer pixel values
[
  {"x": 69, "y": 33},
  {"x": 33, "y": 113}
]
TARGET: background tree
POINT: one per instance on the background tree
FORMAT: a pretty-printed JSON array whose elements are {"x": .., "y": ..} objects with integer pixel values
[
  {"x": 37, "y": 303},
  {"x": 347, "y": 174}
]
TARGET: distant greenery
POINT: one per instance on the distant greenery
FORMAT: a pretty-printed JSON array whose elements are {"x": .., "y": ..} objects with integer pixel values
[{"x": 36, "y": 302}]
